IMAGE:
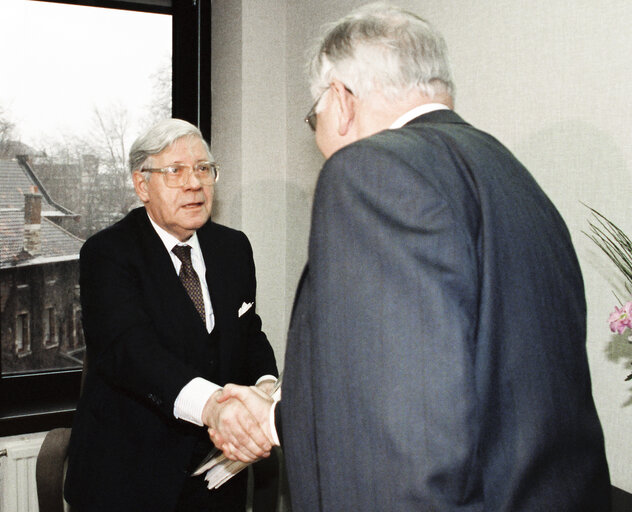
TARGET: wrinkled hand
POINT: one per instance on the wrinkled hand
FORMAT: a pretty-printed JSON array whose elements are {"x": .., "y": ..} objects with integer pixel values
[
  {"x": 258, "y": 404},
  {"x": 239, "y": 432}
]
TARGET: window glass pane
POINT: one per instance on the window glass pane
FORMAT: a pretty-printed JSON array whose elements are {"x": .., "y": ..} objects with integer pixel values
[
  {"x": 78, "y": 85},
  {"x": 46, "y": 327},
  {"x": 19, "y": 333}
]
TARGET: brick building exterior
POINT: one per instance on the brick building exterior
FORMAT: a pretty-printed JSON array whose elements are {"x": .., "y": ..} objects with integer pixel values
[{"x": 40, "y": 315}]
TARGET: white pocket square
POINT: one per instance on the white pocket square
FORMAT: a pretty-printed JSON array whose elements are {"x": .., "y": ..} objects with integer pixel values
[{"x": 244, "y": 307}]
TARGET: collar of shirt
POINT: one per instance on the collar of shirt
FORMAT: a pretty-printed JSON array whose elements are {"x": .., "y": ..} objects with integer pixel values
[
  {"x": 197, "y": 260},
  {"x": 171, "y": 241},
  {"x": 416, "y": 112}
]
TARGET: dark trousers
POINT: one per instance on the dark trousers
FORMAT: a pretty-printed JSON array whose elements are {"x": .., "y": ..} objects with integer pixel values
[{"x": 230, "y": 497}]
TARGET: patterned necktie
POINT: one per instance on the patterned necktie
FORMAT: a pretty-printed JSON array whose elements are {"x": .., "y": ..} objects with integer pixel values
[{"x": 189, "y": 278}]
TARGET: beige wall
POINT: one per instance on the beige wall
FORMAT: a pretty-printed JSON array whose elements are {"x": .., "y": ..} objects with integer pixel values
[{"x": 550, "y": 79}]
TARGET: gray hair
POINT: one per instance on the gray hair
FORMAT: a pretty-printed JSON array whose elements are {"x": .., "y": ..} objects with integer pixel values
[
  {"x": 158, "y": 138},
  {"x": 385, "y": 48}
]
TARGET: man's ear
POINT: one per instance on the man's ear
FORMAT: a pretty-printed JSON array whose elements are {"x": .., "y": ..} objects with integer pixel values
[
  {"x": 345, "y": 103},
  {"x": 140, "y": 186}
]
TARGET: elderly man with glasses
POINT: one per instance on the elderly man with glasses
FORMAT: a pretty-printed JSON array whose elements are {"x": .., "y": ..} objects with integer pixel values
[
  {"x": 168, "y": 306},
  {"x": 436, "y": 355}
]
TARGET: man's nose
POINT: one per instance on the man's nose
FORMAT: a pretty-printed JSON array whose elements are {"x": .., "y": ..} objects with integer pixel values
[{"x": 193, "y": 181}]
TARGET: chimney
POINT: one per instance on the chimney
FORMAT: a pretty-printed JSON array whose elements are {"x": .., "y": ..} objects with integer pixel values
[{"x": 32, "y": 221}]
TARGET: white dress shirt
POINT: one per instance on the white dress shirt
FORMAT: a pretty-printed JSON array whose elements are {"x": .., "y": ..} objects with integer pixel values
[{"x": 197, "y": 261}]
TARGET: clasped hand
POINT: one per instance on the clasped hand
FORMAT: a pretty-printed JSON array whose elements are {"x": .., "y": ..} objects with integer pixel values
[{"x": 238, "y": 421}]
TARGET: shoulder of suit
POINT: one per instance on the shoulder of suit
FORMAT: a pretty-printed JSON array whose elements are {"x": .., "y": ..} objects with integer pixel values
[
  {"x": 383, "y": 147},
  {"x": 213, "y": 231},
  {"x": 424, "y": 131},
  {"x": 214, "y": 228},
  {"x": 414, "y": 146},
  {"x": 126, "y": 229}
]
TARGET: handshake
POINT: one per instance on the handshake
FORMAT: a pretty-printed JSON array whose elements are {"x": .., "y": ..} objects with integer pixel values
[{"x": 240, "y": 420}]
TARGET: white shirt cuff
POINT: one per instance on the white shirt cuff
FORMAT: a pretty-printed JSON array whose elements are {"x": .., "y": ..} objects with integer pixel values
[
  {"x": 192, "y": 398},
  {"x": 266, "y": 377}
]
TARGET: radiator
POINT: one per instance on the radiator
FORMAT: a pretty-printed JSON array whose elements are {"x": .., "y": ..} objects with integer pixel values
[{"x": 18, "y": 455}]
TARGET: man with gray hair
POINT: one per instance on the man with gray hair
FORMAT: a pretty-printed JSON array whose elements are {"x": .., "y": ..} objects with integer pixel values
[
  {"x": 436, "y": 354},
  {"x": 168, "y": 310}
]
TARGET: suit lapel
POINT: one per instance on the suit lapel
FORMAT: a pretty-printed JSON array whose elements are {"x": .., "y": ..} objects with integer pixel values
[
  {"x": 179, "y": 311},
  {"x": 215, "y": 278}
]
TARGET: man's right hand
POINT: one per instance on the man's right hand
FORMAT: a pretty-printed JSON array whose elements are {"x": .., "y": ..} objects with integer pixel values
[{"x": 238, "y": 432}]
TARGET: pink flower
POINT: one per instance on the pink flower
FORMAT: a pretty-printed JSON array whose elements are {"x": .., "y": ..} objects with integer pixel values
[{"x": 621, "y": 318}]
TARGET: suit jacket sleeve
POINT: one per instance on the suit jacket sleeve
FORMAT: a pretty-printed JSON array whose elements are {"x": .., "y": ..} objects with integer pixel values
[
  {"x": 124, "y": 341},
  {"x": 394, "y": 299}
]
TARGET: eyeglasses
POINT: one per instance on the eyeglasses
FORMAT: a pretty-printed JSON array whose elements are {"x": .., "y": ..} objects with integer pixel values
[
  {"x": 177, "y": 175},
  {"x": 310, "y": 118}
]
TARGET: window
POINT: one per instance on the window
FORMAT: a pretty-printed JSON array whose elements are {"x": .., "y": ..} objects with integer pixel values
[
  {"x": 48, "y": 328},
  {"x": 22, "y": 335},
  {"x": 103, "y": 71}
]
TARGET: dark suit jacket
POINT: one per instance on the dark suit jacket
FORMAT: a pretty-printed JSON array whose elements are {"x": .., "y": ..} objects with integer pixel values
[
  {"x": 436, "y": 355},
  {"x": 145, "y": 341}
]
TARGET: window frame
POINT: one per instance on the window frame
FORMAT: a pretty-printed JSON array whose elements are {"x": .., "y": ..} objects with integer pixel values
[{"x": 42, "y": 401}]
